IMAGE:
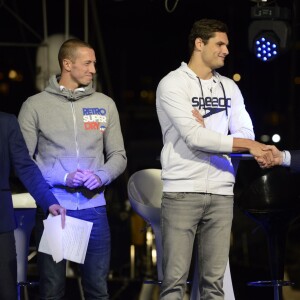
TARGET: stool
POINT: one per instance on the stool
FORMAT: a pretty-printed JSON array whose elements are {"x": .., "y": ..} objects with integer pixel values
[
  {"x": 272, "y": 201},
  {"x": 24, "y": 210}
]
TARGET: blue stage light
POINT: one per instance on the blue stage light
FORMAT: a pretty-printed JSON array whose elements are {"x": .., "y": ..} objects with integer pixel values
[
  {"x": 266, "y": 46},
  {"x": 270, "y": 32}
]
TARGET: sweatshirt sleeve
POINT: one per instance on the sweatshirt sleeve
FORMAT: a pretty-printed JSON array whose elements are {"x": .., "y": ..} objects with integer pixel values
[
  {"x": 27, "y": 121},
  {"x": 240, "y": 124},
  {"x": 174, "y": 109},
  {"x": 114, "y": 149}
]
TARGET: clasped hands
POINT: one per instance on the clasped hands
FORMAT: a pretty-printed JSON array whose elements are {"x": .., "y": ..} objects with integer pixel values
[
  {"x": 85, "y": 178},
  {"x": 269, "y": 156}
]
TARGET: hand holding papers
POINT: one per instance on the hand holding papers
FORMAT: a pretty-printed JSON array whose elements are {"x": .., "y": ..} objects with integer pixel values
[{"x": 69, "y": 243}]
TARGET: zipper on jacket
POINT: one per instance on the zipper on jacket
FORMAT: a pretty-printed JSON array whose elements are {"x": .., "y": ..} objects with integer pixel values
[{"x": 76, "y": 142}]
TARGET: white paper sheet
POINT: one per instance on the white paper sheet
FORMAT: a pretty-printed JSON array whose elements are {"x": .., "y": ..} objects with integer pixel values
[{"x": 69, "y": 243}]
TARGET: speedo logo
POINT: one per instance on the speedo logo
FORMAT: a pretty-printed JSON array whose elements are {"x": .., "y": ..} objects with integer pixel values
[{"x": 211, "y": 105}]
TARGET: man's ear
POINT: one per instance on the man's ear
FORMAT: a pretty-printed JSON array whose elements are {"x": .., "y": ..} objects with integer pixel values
[
  {"x": 67, "y": 64},
  {"x": 198, "y": 44}
]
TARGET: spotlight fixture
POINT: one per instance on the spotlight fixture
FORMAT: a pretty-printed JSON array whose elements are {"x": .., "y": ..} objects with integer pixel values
[{"x": 269, "y": 32}]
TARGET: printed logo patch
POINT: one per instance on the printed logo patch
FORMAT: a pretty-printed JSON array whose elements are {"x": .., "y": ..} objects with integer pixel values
[
  {"x": 211, "y": 105},
  {"x": 94, "y": 119}
]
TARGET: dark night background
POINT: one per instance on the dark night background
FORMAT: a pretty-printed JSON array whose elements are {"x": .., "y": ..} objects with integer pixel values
[{"x": 137, "y": 42}]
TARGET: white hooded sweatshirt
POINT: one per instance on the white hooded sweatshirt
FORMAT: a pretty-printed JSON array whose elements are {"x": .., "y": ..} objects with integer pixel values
[{"x": 193, "y": 158}]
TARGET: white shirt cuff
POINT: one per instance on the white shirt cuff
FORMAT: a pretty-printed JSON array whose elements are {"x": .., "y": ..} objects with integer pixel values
[{"x": 286, "y": 161}]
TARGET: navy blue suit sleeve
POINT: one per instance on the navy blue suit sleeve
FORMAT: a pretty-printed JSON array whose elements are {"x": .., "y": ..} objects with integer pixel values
[
  {"x": 26, "y": 169},
  {"x": 295, "y": 160}
]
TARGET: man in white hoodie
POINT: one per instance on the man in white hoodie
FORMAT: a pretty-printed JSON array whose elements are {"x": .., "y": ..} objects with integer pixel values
[{"x": 197, "y": 172}]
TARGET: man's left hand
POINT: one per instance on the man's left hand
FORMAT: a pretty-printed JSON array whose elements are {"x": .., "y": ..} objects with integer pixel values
[
  {"x": 198, "y": 117},
  {"x": 55, "y": 210},
  {"x": 91, "y": 180}
]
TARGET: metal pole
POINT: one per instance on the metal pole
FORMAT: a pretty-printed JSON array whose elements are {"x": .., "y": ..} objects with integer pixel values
[
  {"x": 67, "y": 21},
  {"x": 100, "y": 42},
  {"x": 46, "y": 46},
  {"x": 45, "y": 21},
  {"x": 85, "y": 21}
]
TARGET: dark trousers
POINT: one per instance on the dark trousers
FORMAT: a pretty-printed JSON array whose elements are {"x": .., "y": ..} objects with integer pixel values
[
  {"x": 8, "y": 266},
  {"x": 95, "y": 269}
]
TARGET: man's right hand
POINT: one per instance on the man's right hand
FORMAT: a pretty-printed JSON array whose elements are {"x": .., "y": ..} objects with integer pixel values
[
  {"x": 277, "y": 155},
  {"x": 263, "y": 156},
  {"x": 75, "y": 179}
]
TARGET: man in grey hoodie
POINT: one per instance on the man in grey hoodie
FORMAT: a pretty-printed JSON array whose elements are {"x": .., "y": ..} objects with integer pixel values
[{"x": 74, "y": 135}]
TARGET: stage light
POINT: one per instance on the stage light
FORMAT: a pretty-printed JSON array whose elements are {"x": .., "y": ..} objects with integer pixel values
[
  {"x": 276, "y": 138},
  {"x": 266, "y": 46},
  {"x": 265, "y": 138},
  {"x": 269, "y": 32}
]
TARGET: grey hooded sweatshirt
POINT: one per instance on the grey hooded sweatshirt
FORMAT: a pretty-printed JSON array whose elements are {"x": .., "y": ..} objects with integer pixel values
[{"x": 68, "y": 130}]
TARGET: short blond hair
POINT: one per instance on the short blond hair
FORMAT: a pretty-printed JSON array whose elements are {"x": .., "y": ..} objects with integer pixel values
[{"x": 69, "y": 50}]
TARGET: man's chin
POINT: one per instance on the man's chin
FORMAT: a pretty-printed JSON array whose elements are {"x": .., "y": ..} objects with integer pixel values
[
  {"x": 220, "y": 65},
  {"x": 86, "y": 83}
]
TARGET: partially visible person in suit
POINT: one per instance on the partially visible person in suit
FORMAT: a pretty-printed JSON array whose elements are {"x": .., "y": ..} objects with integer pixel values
[
  {"x": 14, "y": 154},
  {"x": 289, "y": 159},
  {"x": 282, "y": 158}
]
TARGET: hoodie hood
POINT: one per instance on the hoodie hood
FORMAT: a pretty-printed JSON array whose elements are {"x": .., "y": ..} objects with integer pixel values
[
  {"x": 55, "y": 88},
  {"x": 184, "y": 68}
]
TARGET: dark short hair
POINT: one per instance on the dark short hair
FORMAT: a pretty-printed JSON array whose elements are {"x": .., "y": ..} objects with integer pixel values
[
  {"x": 205, "y": 29},
  {"x": 69, "y": 50}
]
